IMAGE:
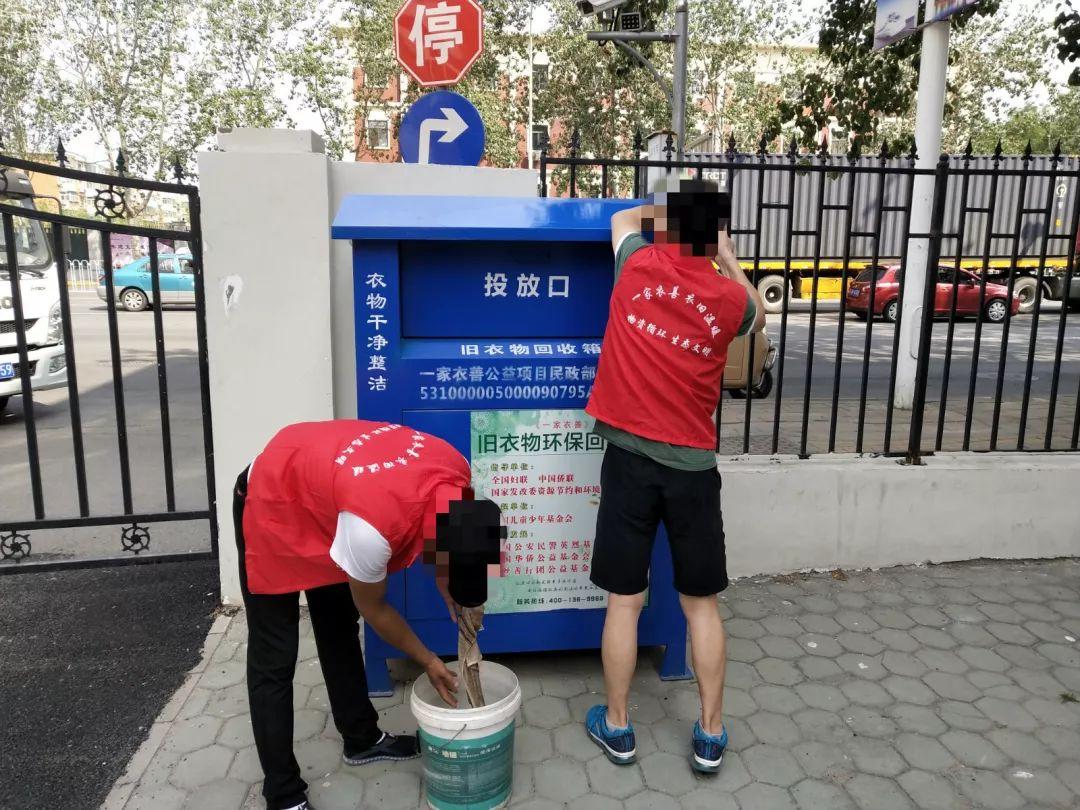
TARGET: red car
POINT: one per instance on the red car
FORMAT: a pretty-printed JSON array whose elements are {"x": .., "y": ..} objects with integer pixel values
[{"x": 996, "y": 305}]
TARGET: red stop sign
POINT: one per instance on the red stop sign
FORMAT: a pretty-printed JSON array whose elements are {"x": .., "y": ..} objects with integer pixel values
[{"x": 437, "y": 41}]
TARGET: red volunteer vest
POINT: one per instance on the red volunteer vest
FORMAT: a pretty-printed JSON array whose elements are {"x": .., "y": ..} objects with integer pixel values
[
  {"x": 662, "y": 364},
  {"x": 392, "y": 476}
]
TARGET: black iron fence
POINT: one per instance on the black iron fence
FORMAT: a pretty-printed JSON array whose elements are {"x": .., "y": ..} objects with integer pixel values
[
  {"x": 827, "y": 240},
  {"x": 117, "y": 443}
]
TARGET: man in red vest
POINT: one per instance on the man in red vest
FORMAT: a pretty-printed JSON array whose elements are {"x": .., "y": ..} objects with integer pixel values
[
  {"x": 331, "y": 509},
  {"x": 676, "y": 305}
]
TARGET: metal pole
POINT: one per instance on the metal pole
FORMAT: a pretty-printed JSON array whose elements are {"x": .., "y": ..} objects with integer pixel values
[
  {"x": 528, "y": 134},
  {"x": 678, "y": 107},
  {"x": 933, "y": 66}
]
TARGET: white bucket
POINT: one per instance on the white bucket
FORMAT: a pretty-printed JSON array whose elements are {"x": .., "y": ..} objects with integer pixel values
[{"x": 468, "y": 753}]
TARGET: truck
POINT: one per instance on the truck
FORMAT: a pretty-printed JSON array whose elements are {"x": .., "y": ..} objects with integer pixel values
[{"x": 39, "y": 284}]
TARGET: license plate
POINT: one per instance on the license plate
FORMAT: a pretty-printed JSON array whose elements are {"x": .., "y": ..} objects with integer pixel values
[
  {"x": 856, "y": 293},
  {"x": 7, "y": 371}
]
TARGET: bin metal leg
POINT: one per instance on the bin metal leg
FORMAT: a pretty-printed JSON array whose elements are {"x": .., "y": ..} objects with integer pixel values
[{"x": 674, "y": 667}]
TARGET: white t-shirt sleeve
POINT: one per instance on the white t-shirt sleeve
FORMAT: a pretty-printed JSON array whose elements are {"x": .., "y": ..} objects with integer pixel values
[{"x": 359, "y": 550}]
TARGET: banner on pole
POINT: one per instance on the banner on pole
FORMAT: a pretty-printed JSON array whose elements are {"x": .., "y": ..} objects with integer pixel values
[
  {"x": 896, "y": 19},
  {"x": 943, "y": 9}
]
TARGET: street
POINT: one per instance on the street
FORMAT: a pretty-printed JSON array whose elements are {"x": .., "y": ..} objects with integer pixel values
[
  {"x": 138, "y": 362},
  {"x": 143, "y": 416}
]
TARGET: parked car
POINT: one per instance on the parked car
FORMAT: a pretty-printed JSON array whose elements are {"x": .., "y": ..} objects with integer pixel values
[
  {"x": 134, "y": 287},
  {"x": 996, "y": 303}
]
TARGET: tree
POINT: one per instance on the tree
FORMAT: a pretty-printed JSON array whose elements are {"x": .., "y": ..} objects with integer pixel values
[
  {"x": 858, "y": 89},
  {"x": 1068, "y": 38},
  {"x": 30, "y": 109}
]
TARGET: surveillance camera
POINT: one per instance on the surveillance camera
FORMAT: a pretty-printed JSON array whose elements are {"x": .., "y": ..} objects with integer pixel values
[{"x": 589, "y": 7}]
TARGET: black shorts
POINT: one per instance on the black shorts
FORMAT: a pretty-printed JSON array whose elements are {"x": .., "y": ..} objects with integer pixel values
[{"x": 636, "y": 493}]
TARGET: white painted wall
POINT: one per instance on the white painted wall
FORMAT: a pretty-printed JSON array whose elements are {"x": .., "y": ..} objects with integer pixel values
[
  {"x": 396, "y": 178},
  {"x": 784, "y": 515},
  {"x": 283, "y": 351},
  {"x": 265, "y": 205}
]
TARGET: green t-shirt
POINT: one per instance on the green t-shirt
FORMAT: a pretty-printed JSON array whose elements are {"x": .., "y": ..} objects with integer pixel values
[{"x": 670, "y": 455}]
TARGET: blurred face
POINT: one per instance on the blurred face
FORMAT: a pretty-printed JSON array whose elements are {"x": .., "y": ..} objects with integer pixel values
[{"x": 689, "y": 221}]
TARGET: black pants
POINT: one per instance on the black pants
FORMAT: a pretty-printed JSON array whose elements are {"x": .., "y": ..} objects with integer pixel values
[{"x": 273, "y": 642}]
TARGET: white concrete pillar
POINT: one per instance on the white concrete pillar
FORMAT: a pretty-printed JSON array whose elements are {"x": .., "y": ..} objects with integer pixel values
[
  {"x": 266, "y": 248},
  {"x": 933, "y": 69}
]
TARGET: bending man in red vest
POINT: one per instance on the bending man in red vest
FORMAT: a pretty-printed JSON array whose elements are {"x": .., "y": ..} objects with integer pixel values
[
  {"x": 332, "y": 508},
  {"x": 673, "y": 313}
]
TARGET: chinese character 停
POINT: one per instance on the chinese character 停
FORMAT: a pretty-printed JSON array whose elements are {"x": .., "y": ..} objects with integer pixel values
[{"x": 435, "y": 28}]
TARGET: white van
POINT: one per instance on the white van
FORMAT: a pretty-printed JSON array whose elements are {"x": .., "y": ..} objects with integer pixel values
[{"x": 40, "y": 300}]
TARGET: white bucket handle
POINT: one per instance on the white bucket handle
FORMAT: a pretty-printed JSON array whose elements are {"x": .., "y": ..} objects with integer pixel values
[{"x": 412, "y": 688}]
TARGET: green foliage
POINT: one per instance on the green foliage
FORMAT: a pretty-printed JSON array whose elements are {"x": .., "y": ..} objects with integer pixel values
[
  {"x": 1068, "y": 38},
  {"x": 857, "y": 88}
]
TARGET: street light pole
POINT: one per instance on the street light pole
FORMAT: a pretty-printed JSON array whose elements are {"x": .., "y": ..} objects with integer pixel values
[
  {"x": 678, "y": 106},
  {"x": 681, "y": 38},
  {"x": 528, "y": 134},
  {"x": 933, "y": 66}
]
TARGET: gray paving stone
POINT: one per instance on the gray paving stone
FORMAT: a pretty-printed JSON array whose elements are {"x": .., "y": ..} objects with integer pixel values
[
  {"x": 617, "y": 781},
  {"x": 759, "y": 796},
  {"x": 909, "y": 690},
  {"x": 1061, "y": 654},
  {"x": 951, "y": 686},
  {"x": 546, "y": 711},
  {"x": 857, "y": 642},
  {"x": 741, "y": 675},
  {"x": 1038, "y": 682},
  {"x": 201, "y": 767},
  {"x": 815, "y": 724},
  {"x": 856, "y": 621},
  {"x": 987, "y": 790},
  {"x": 156, "y": 797},
  {"x": 744, "y": 628},
  {"x": 820, "y": 624},
  {"x": 738, "y": 703},
  {"x": 896, "y": 639},
  {"x": 226, "y": 794},
  {"x": 942, "y": 661},
  {"x": 1023, "y": 656},
  {"x": 1007, "y": 713},
  {"x": 877, "y": 757},
  {"x": 864, "y": 666},
  {"x": 594, "y": 802},
  {"x": 745, "y": 650},
  {"x": 869, "y": 722},
  {"x": 1040, "y": 786},
  {"x": 191, "y": 735},
  {"x": 651, "y": 800},
  {"x": 818, "y": 669},
  {"x": 964, "y": 716},
  {"x": 972, "y": 634},
  {"x": 777, "y": 699},
  {"x": 900, "y": 663},
  {"x": 533, "y": 745},
  {"x": 562, "y": 686},
  {"x": 817, "y": 604},
  {"x": 1004, "y": 614},
  {"x": 536, "y": 803},
  {"x": 924, "y": 752},
  {"x": 824, "y": 761},
  {"x": 1062, "y": 741},
  {"x": 560, "y": 779},
  {"x": 1069, "y": 774},
  {"x": 395, "y": 789},
  {"x": 973, "y": 750},
  {"x": 1010, "y": 633},
  {"x": 917, "y": 719},
  {"x": 708, "y": 798},
  {"x": 772, "y": 765},
  {"x": 775, "y": 671},
  {"x": 929, "y": 790},
  {"x": 782, "y": 647},
  {"x": 781, "y": 626},
  {"x": 877, "y": 793},
  {"x": 865, "y": 693},
  {"x": 668, "y": 773},
  {"x": 572, "y": 741},
  {"x": 892, "y": 618},
  {"x": 821, "y": 645},
  {"x": 338, "y": 789},
  {"x": 821, "y": 696},
  {"x": 774, "y": 729}
]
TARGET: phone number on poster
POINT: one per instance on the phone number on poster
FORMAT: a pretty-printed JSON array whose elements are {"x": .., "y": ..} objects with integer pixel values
[{"x": 497, "y": 392}]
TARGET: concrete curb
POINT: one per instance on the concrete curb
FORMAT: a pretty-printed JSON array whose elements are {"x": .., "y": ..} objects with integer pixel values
[{"x": 123, "y": 787}]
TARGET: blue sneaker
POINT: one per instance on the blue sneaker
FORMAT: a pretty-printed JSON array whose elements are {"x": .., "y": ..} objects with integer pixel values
[
  {"x": 708, "y": 750},
  {"x": 619, "y": 744}
]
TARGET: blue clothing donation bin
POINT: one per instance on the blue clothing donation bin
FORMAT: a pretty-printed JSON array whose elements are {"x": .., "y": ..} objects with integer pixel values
[{"x": 479, "y": 320}]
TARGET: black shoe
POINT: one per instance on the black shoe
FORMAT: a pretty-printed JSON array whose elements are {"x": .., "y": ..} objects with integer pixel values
[
  {"x": 388, "y": 747},
  {"x": 304, "y": 805}
]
